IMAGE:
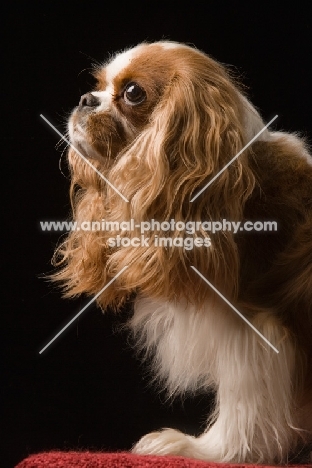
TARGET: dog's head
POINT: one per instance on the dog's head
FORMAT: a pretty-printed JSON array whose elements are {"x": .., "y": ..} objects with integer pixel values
[
  {"x": 170, "y": 85},
  {"x": 163, "y": 119}
]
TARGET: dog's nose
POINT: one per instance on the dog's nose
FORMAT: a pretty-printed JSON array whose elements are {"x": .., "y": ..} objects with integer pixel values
[{"x": 88, "y": 100}]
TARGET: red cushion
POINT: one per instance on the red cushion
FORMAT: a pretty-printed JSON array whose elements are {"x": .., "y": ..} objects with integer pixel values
[{"x": 120, "y": 460}]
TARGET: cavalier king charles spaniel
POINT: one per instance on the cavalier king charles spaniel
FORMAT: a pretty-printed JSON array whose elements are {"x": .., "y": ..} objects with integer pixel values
[{"x": 163, "y": 121}]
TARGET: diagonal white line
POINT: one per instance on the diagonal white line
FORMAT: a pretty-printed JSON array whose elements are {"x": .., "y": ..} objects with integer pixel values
[
  {"x": 84, "y": 158},
  {"x": 235, "y": 310},
  {"x": 233, "y": 159},
  {"x": 84, "y": 308}
]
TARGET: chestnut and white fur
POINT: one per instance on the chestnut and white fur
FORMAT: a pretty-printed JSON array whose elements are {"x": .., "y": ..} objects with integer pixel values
[{"x": 163, "y": 120}]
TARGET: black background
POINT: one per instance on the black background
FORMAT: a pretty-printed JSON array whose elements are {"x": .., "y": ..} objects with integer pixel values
[{"x": 87, "y": 390}]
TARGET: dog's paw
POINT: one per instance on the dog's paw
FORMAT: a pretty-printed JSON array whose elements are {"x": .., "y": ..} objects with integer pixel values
[{"x": 166, "y": 442}]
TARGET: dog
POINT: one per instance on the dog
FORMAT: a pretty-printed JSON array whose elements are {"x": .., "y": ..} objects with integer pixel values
[{"x": 168, "y": 141}]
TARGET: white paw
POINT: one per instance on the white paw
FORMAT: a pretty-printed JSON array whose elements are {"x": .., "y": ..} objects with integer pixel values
[{"x": 166, "y": 442}]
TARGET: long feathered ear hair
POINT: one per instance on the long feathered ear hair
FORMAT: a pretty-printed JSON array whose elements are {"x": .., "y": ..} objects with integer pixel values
[{"x": 194, "y": 131}]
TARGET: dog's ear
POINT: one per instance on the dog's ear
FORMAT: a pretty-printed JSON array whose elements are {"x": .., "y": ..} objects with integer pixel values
[{"x": 194, "y": 131}]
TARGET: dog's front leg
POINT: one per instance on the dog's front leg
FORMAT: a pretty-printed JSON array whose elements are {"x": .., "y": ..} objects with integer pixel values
[{"x": 253, "y": 419}]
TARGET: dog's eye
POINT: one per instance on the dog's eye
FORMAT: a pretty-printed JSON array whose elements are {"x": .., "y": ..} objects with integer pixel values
[{"x": 134, "y": 94}]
